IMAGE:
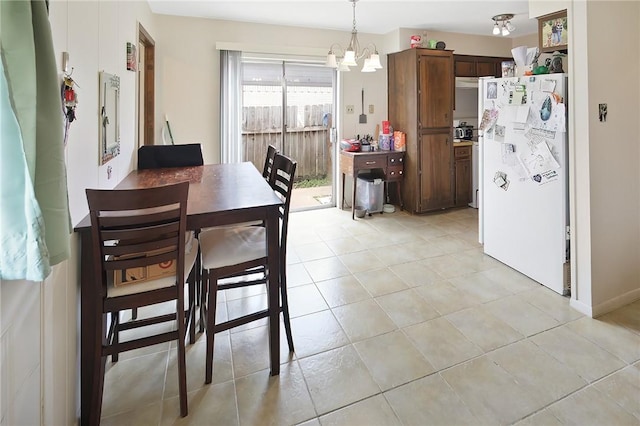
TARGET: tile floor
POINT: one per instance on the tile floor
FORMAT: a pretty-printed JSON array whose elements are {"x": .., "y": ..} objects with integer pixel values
[{"x": 397, "y": 319}]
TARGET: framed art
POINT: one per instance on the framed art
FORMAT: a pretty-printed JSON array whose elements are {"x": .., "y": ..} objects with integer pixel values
[
  {"x": 132, "y": 57},
  {"x": 552, "y": 32}
]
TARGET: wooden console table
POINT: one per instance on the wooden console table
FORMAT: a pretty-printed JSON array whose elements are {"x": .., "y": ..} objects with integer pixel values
[{"x": 390, "y": 162}]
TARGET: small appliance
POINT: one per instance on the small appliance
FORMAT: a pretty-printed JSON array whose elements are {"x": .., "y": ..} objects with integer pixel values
[
  {"x": 463, "y": 131},
  {"x": 351, "y": 145}
]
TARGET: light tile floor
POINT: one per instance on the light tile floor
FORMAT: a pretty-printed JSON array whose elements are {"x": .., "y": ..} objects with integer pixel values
[{"x": 397, "y": 319}]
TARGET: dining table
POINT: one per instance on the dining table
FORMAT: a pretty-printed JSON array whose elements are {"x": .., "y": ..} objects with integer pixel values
[{"x": 219, "y": 194}]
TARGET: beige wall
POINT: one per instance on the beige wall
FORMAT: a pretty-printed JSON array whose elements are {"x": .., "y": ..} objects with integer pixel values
[
  {"x": 38, "y": 375},
  {"x": 461, "y": 44},
  {"x": 190, "y": 77},
  {"x": 607, "y": 177},
  {"x": 38, "y": 333}
]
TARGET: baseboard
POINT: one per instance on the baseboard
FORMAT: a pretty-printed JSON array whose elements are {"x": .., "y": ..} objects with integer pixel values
[
  {"x": 606, "y": 306},
  {"x": 581, "y": 307}
]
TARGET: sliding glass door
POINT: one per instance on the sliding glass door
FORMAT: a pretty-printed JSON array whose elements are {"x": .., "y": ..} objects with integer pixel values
[{"x": 290, "y": 105}]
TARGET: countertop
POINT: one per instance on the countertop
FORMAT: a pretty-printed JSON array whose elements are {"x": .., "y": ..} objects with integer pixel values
[{"x": 458, "y": 142}]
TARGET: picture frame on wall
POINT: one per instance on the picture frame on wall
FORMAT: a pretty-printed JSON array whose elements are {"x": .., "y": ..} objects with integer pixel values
[
  {"x": 132, "y": 57},
  {"x": 552, "y": 32}
]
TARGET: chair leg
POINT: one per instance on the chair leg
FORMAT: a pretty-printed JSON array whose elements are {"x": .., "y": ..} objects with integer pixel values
[
  {"x": 285, "y": 306},
  {"x": 182, "y": 365},
  {"x": 99, "y": 364},
  {"x": 191, "y": 320},
  {"x": 116, "y": 333},
  {"x": 211, "y": 321},
  {"x": 204, "y": 280}
]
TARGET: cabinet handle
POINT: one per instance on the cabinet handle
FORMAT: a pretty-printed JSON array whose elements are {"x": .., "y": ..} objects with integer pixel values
[
  {"x": 368, "y": 163},
  {"x": 393, "y": 160}
]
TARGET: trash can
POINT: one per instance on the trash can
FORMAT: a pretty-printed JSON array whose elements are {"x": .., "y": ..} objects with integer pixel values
[{"x": 370, "y": 192}]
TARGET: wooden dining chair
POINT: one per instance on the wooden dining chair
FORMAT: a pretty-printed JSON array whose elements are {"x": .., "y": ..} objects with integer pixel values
[
  {"x": 160, "y": 156},
  {"x": 167, "y": 156},
  {"x": 136, "y": 235},
  {"x": 268, "y": 161},
  {"x": 241, "y": 251}
]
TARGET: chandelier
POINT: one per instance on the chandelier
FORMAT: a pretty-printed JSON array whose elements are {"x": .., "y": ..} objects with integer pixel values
[
  {"x": 344, "y": 58},
  {"x": 502, "y": 24}
]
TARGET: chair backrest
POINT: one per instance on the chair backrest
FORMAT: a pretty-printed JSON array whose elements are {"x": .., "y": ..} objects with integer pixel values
[
  {"x": 160, "y": 156},
  {"x": 268, "y": 162},
  {"x": 137, "y": 228},
  {"x": 281, "y": 180}
]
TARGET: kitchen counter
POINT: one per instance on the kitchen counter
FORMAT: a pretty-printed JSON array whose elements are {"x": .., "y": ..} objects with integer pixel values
[{"x": 459, "y": 142}]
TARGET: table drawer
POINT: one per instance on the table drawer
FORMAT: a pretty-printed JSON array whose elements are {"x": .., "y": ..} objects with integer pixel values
[
  {"x": 370, "y": 162},
  {"x": 396, "y": 159},
  {"x": 462, "y": 151},
  {"x": 395, "y": 172}
]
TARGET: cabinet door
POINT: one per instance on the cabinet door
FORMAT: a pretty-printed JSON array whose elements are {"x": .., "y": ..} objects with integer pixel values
[
  {"x": 486, "y": 69},
  {"x": 436, "y": 177},
  {"x": 463, "y": 182},
  {"x": 465, "y": 68},
  {"x": 435, "y": 88}
]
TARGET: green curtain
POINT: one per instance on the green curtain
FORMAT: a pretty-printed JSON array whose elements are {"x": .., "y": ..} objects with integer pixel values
[{"x": 34, "y": 212}]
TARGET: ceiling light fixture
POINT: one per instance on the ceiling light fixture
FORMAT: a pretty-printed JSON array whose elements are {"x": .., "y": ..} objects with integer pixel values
[
  {"x": 344, "y": 58},
  {"x": 502, "y": 24}
]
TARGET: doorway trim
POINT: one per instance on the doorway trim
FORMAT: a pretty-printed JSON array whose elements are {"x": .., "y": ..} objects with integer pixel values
[{"x": 148, "y": 91}]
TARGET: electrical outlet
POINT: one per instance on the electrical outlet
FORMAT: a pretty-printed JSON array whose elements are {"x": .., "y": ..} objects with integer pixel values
[
  {"x": 371, "y": 109},
  {"x": 350, "y": 109}
]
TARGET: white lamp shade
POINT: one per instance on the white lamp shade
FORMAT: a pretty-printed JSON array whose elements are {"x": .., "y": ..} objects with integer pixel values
[
  {"x": 505, "y": 31},
  {"x": 343, "y": 68},
  {"x": 350, "y": 58},
  {"x": 375, "y": 61},
  {"x": 331, "y": 61},
  {"x": 510, "y": 26},
  {"x": 496, "y": 29},
  {"x": 367, "y": 67}
]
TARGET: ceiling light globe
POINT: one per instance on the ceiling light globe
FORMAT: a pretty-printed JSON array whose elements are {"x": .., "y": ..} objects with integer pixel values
[
  {"x": 343, "y": 68},
  {"x": 375, "y": 61},
  {"x": 367, "y": 67},
  {"x": 505, "y": 31},
  {"x": 350, "y": 58},
  {"x": 331, "y": 61},
  {"x": 496, "y": 29},
  {"x": 510, "y": 26}
]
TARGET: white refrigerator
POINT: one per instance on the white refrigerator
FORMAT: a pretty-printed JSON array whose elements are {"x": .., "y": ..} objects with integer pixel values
[{"x": 523, "y": 191}]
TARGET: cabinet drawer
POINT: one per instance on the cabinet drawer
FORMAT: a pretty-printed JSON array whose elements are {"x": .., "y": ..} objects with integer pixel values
[
  {"x": 462, "y": 151},
  {"x": 370, "y": 161},
  {"x": 395, "y": 172},
  {"x": 396, "y": 159}
]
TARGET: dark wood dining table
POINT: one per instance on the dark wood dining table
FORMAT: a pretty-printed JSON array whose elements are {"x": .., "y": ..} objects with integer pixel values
[{"x": 219, "y": 194}]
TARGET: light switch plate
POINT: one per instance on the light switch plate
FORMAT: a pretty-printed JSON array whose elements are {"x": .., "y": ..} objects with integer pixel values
[{"x": 371, "y": 109}]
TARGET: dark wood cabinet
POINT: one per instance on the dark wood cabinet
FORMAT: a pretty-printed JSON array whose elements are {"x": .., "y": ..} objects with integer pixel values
[
  {"x": 462, "y": 167},
  {"x": 478, "y": 66},
  {"x": 420, "y": 83},
  {"x": 436, "y": 181},
  {"x": 464, "y": 67}
]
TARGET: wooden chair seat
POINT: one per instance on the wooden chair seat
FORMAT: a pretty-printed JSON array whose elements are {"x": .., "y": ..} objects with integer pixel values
[
  {"x": 239, "y": 253},
  {"x": 132, "y": 231}
]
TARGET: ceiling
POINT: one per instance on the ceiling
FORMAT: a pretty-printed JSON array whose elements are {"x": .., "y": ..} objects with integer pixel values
[{"x": 372, "y": 16}]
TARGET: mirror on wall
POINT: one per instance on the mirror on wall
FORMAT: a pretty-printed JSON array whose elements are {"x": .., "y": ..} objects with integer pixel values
[{"x": 109, "y": 111}]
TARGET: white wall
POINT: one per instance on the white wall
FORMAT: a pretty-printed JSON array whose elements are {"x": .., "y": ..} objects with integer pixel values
[
  {"x": 190, "y": 77},
  {"x": 38, "y": 321},
  {"x": 607, "y": 181},
  {"x": 461, "y": 44},
  {"x": 606, "y": 199}
]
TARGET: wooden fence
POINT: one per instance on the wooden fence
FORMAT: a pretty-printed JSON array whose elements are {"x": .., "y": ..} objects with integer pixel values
[{"x": 306, "y": 139}]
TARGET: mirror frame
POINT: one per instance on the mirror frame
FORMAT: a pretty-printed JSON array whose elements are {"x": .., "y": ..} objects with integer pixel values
[{"x": 108, "y": 114}]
